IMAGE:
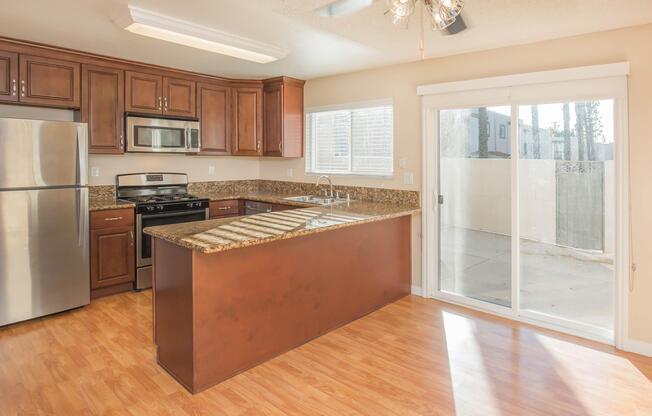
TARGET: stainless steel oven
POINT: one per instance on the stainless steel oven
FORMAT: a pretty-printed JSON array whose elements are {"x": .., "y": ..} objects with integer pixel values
[
  {"x": 160, "y": 198},
  {"x": 161, "y": 135}
]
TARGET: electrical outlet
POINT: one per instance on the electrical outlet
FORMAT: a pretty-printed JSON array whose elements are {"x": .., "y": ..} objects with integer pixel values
[
  {"x": 402, "y": 163},
  {"x": 95, "y": 171},
  {"x": 408, "y": 178},
  {"x": 289, "y": 172},
  {"x": 211, "y": 170}
]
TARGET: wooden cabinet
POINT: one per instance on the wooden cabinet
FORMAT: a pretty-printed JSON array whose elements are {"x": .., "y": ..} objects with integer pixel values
[
  {"x": 283, "y": 117},
  {"x": 103, "y": 108},
  {"x": 214, "y": 111},
  {"x": 8, "y": 76},
  {"x": 223, "y": 209},
  {"x": 247, "y": 121},
  {"x": 144, "y": 93},
  {"x": 179, "y": 97},
  {"x": 156, "y": 94},
  {"x": 48, "y": 82},
  {"x": 112, "y": 256}
]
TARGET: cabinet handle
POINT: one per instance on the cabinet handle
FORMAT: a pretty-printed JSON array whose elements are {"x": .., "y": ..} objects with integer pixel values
[
  {"x": 14, "y": 87},
  {"x": 22, "y": 88},
  {"x": 258, "y": 146},
  {"x": 224, "y": 208},
  {"x": 131, "y": 234},
  {"x": 165, "y": 103},
  {"x": 122, "y": 140},
  {"x": 160, "y": 100},
  {"x": 113, "y": 218},
  {"x": 280, "y": 147}
]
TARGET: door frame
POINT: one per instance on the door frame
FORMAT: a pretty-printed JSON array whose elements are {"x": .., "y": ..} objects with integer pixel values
[{"x": 610, "y": 82}]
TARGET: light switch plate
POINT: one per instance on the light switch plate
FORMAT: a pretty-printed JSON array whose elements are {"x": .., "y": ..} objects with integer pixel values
[
  {"x": 211, "y": 170},
  {"x": 95, "y": 171},
  {"x": 289, "y": 172},
  {"x": 402, "y": 163}
]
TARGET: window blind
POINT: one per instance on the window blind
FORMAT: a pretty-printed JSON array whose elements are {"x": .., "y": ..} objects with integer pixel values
[{"x": 350, "y": 141}]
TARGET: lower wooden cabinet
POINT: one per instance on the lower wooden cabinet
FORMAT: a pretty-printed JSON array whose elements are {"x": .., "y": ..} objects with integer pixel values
[
  {"x": 223, "y": 209},
  {"x": 113, "y": 253}
]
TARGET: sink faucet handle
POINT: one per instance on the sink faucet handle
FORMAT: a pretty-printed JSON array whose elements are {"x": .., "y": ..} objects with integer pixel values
[{"x": 337, "y": 194}]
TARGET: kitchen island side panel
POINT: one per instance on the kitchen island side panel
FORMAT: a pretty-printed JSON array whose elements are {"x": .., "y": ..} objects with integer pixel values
[
  {"x": 254, "y": 303},
  {"x": 173, "y": 310}
]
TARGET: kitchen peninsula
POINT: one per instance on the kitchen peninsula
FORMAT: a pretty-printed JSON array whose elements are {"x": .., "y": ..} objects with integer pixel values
[{"x": 232, "y": 293}]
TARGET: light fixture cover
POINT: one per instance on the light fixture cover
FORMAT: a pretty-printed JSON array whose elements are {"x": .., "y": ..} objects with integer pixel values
[{"x": 170, "y": 29}]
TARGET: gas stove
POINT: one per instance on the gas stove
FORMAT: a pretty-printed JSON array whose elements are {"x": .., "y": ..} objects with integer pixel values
[{"x": 160, "y": 198}]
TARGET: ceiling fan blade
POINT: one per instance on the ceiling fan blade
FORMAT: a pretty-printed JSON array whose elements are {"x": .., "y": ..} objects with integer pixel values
[{"x": 343, "y": 7}]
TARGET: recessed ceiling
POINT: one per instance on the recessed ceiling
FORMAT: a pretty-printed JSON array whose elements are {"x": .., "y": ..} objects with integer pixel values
[{"x": 318, "y": 45}]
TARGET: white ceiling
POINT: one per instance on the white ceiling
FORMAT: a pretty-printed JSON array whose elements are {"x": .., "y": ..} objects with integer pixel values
[{"x": 318, "y": 45}]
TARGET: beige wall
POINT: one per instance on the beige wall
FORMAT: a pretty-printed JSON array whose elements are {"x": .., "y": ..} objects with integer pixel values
[{"x": 400, "y": 82}]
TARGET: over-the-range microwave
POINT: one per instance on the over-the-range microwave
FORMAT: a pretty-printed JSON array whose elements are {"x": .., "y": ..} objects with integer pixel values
[{"x": 162, "y": 135}]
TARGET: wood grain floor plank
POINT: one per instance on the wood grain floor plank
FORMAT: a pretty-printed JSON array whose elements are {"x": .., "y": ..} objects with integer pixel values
[{"x": 413, "y": 357}]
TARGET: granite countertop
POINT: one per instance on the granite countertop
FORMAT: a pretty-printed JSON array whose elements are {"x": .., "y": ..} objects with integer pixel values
[
  {"x": 104, "y": 203},
  {"x": 217, "y": 235}
]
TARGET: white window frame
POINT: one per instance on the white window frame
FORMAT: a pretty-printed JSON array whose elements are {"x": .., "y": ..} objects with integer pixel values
[
  {"x": 352, "y": 106},
  {"x": 592, "y": 82}
]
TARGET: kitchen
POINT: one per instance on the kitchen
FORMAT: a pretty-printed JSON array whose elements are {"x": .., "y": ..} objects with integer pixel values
[{"x": 201, "y": 223}]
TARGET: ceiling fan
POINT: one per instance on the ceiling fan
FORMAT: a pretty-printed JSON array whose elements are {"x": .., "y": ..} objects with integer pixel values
[{"x": 444, "y": 15}]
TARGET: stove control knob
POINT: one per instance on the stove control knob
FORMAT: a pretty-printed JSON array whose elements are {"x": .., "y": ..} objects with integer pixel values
[
  {"x": 189, "y": 204},
  {"x": 160, "y": 207},
  {"x": 150, "y": 208}
]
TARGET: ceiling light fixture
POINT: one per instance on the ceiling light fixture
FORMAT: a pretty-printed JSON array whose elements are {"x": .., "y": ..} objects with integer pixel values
[
  {"x": 170, "y": 29},
  {"x": 442, "y": 13}
]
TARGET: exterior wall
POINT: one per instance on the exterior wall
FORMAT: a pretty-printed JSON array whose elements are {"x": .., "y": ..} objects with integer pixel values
[{"x": 399, "y": 82}]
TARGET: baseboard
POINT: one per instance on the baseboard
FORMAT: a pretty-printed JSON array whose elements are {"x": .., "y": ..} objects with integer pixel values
[
  {"x": 416, "y": 290},
  {"x": 638, "y": 347}
]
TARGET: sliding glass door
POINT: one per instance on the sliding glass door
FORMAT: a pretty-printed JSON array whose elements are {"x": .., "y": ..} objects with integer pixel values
[
  {"x": 475, "y": 199},
  {"x": 526, "y": 218},
  {"x": 566, "y": 212}
]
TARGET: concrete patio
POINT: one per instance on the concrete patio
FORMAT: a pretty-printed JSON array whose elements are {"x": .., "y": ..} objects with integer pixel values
[{"x": 559, "y": 281}]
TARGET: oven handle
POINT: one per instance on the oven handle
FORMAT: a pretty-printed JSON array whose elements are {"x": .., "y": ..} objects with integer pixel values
[{"x": 174, "y": 214}]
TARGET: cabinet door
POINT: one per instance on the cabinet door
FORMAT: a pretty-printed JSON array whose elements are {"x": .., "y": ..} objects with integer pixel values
[
  {"x": 49, "y": 82},
  {"x": 214, "y": 110},
  {"x": 293, "y": 120},
  {"x": 112, "y": 256},
  {"x": 103, "y": 108},
  {"x": 273, "y": 120},
  {"x": 8, "y": 76},
  {"x": 179, "y": 97},
  {"x": 247, "y": 121},
  {"x": 144, "y": 93}
]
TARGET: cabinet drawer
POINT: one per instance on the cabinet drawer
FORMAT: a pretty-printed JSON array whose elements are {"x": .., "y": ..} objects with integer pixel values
[
  {"x": 111, "y": 218},
  {"x": 224, "y": 208}
]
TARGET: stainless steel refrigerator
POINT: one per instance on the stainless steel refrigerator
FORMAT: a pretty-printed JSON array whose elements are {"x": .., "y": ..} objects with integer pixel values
[{"x": 44, "y": 266}]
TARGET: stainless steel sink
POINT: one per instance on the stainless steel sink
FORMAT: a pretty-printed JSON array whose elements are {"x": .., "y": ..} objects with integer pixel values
[{"x": 317, "y": 200}]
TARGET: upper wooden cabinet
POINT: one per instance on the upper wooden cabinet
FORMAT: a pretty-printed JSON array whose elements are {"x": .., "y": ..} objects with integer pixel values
[
  {"x": 283, "y": 117},
  {"x": 8, "y": 76},
  {"x": 214, "y": 111},
  {"x": 144, "y": 93},
  {"x": 49, "y": 82},
  {"x": 103, "y": 108},
  {"x": 247, "y": 121},
  {"x": 178, "y": 97},
  {"x": 155, "y": 94}
]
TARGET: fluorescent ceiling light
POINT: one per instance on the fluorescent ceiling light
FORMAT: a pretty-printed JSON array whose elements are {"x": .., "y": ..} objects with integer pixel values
[{"x": 170, "y": 29}]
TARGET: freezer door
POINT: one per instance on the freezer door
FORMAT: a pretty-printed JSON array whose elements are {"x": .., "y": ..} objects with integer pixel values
[
  {"x": 43, "y": 252},
  {"x": 35, "y": 153}
]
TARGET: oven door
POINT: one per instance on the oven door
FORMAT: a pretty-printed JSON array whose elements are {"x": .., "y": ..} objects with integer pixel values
[
  {"x": 158, "y": 135},
  {"x": 144, "y": 241}
]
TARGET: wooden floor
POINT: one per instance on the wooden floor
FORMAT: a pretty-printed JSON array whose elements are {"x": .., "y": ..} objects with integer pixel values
[{"x": 414, "y": 357}]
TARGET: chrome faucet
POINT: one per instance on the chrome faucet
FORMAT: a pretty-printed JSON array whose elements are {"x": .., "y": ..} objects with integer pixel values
[{"x": 329, "y": 181}]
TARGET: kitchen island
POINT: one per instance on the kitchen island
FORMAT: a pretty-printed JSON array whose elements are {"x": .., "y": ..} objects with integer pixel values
[{"x": 232, "y": 293}]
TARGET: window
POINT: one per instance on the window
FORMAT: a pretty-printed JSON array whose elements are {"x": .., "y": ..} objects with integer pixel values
[{"x": 355, "y": 140}]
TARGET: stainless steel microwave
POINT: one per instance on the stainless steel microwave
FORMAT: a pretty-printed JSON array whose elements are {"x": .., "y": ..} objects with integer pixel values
[{"x": 161, "y": 135}]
